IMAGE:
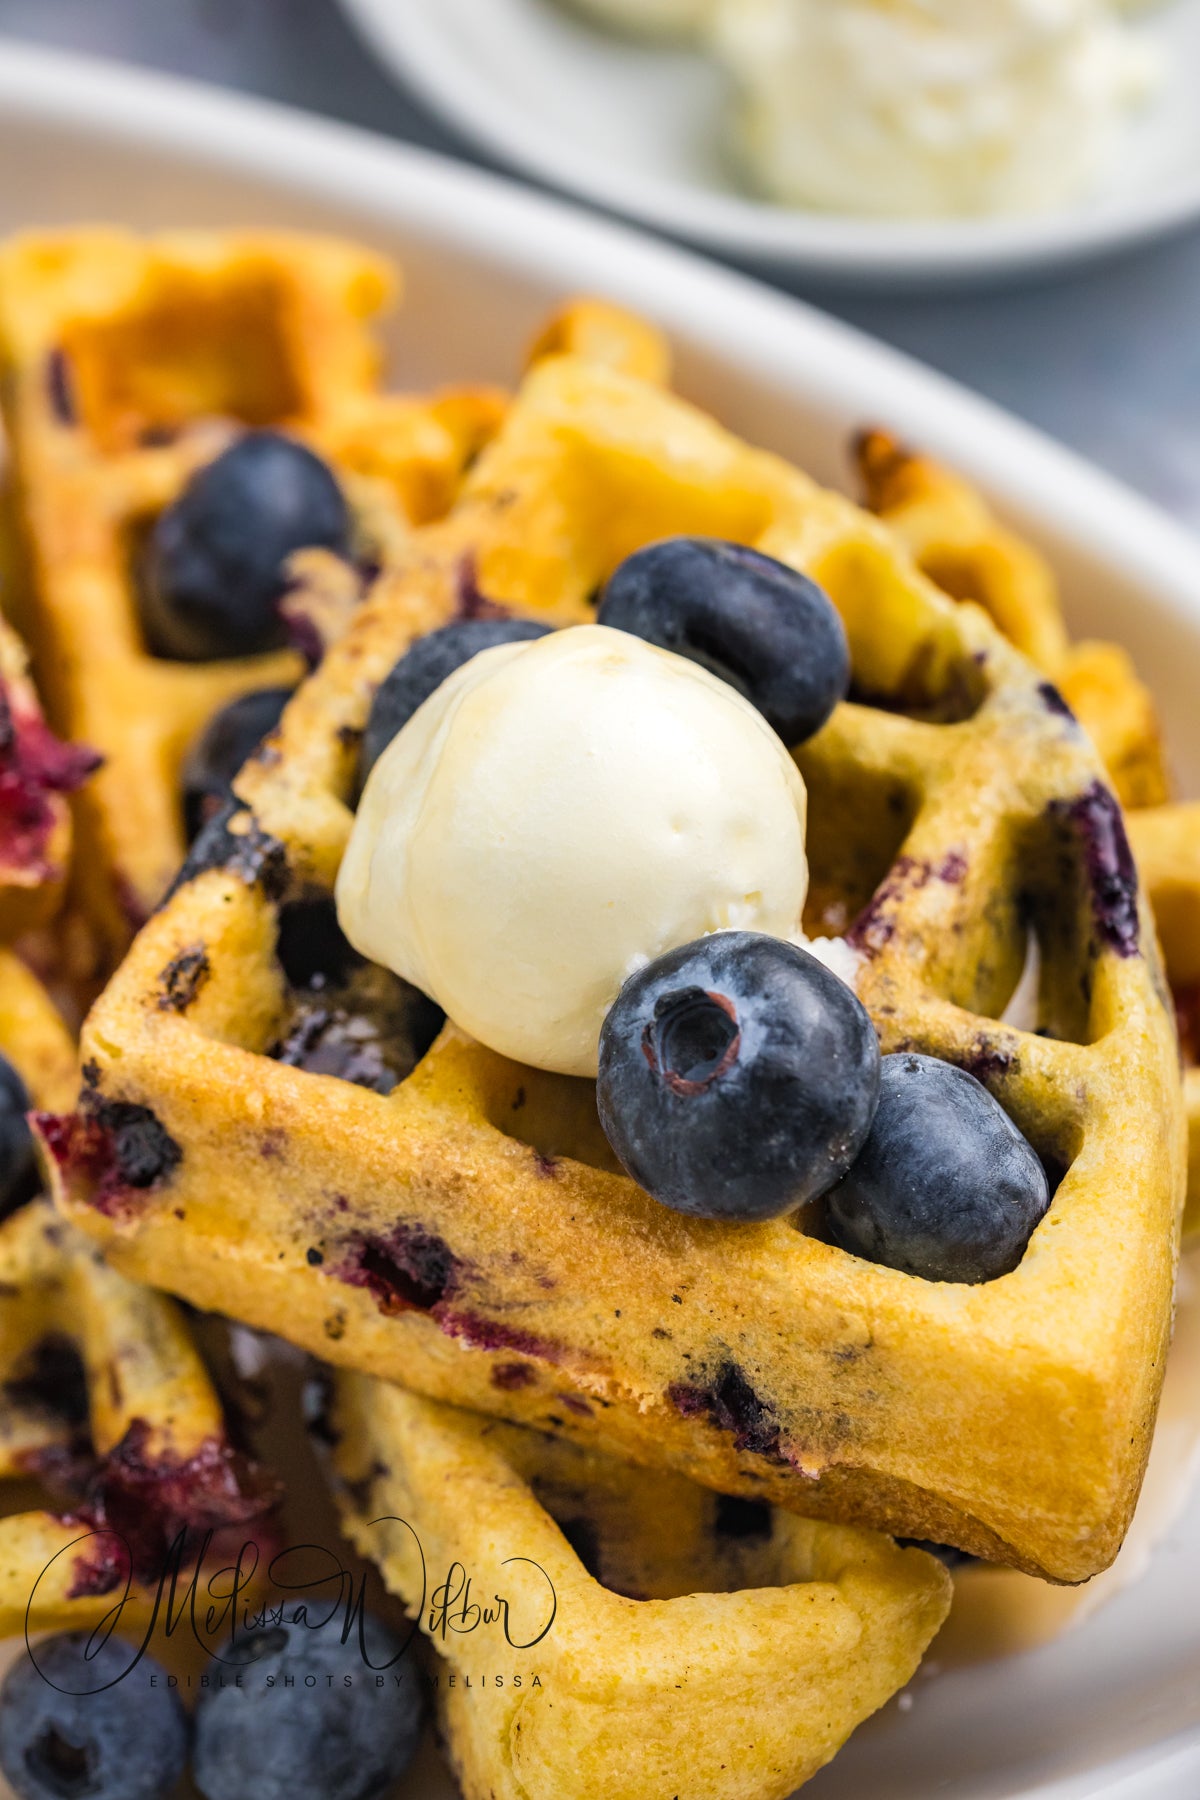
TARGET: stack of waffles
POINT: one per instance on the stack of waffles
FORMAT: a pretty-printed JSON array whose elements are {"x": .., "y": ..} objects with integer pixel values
[{"x": 721, "y": 1449}]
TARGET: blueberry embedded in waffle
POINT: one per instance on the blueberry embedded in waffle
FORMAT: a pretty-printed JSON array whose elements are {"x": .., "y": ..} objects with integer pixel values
[
  {"x": 469, "y": 1235},
  {"x": 673, "y": 1609},
  {"x": 111, "y": 1436},
  {"x": 37, "y": 772},
  {"x": 131, "y": 365}
]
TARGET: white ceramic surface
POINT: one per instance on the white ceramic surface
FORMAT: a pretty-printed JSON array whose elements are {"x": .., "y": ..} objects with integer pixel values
[
  {"x": 1113, "y": 1710},
  {"x": 638, "y": 130}
]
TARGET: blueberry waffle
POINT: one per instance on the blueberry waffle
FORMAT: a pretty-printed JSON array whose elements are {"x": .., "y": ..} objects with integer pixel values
[
  {"x": 133, "y": 367},
  {"x": 110, "y": 1429},
  {"x": 674, "y": 1610},
  {"x": 37, "y": 772},
  {"x": 469, "y": 1233}
]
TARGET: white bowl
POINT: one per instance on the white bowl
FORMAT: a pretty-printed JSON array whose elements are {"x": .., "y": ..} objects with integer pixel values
[
  {"x": 1113, "y": 1708},
  {"x": 637, "y": 129}
]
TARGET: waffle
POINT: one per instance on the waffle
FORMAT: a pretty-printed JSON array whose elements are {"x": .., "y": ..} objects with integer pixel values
[
  {"x": 959, "y": 543},
  {"x": 698, "y": 1645},
  {"x": 129, "y": 363},
  {"x": 469, "y": 1235},
  {"x": 106, "y": 1403},
  {"x": 37, "y": 772}
]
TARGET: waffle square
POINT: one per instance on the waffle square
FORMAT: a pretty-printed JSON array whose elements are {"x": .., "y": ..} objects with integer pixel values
[
  {"x": 130, "y": 362},
  {"x": 469, "y": 1236},
  {"x": 107, "y": 1405},
  {"x": 696, "y": 1645}
]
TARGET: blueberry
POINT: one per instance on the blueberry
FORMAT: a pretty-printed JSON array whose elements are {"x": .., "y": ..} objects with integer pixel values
[
  {"x": 19, "y": 1179},
  {"x": 215, "y": 568},
  {"x": 946, "y": 1187},
  {"x": 222, "y": 747},
  {"x": 67, "y": 1734},
  {"x": 423, "y": 668},
  {"x": 319, "y": 1739},
  {"x": 738, "y": 1077},
  {"x": 766, "y": 629}
]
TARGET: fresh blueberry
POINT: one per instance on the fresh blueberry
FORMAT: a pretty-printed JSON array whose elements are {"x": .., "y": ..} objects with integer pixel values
[
  {"x": 222, "y": 747},
  {"x": 88, "y": 1726},
  {"x": 319, "y": 1739},
  {"x": 766, "y": 629},
  {"x": 945, "y": 1187},
  {"x": 18, "y": 1165},
  {"x": 423, "y": 668},
  {"x": 215, "y": 568},
  {"x": 738, "y": 1077}
]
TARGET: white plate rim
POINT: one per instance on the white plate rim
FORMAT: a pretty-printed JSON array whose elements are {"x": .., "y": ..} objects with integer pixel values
[
  {"x": 470, "y": 208},
  {"x": 848, "y": 251}
]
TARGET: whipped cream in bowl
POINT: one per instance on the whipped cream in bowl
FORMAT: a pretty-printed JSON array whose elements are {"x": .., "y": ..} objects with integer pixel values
[{"x": 558, "y": 813}]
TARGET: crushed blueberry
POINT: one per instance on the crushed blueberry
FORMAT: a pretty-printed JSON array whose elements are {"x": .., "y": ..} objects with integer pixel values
[
  {"x": 407, "y": 1269},
  {"x": 34, "y": 766},
  {"x": 1094, "y": 819},
  {"x": 112, "y": 1147},
  {"x": 731, "y": 1404}
]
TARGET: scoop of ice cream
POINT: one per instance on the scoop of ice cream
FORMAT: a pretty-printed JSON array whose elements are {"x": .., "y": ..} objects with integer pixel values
[
  {"x": 944, "y": 107},
  {"x": 557, "y": 813}
]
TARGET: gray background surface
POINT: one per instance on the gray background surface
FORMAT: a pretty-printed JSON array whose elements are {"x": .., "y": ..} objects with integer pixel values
[{"x": 1107, "y": 360}]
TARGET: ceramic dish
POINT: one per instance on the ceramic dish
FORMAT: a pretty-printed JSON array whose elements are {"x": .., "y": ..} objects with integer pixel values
[
  {"x": 1112, "y": 1708},
  {"x": 636, "y": 130}
]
